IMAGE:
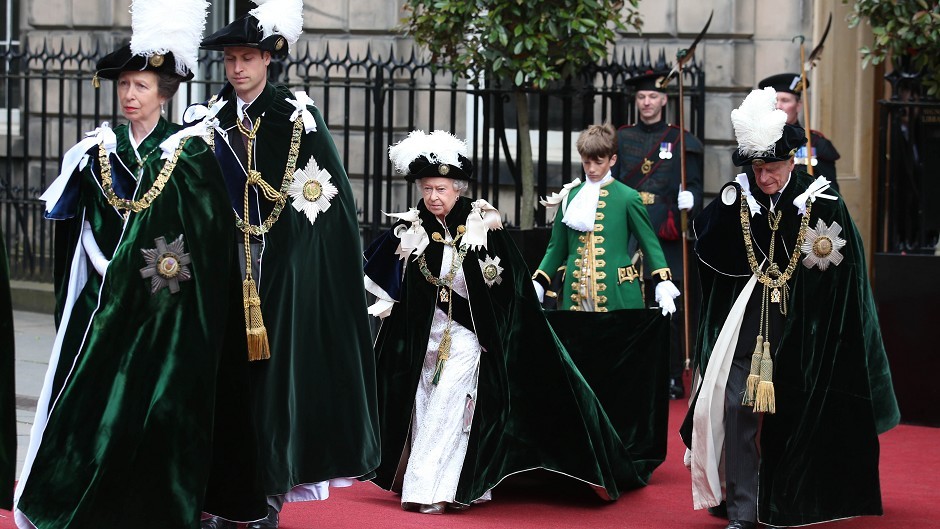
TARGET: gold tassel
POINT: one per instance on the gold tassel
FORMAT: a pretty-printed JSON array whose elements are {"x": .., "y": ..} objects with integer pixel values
[
  {"x": 765, "y": 389},
  {"x": 258, "y": 348},
  {"x": 750, "y": 393},
  {"x": 443, "y": 353},
  {"x": 95, "y": 81}
]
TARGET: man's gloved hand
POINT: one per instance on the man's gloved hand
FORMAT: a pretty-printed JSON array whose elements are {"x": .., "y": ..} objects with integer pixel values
[
  {"x": 666, "y": 292},
  {"x": 685, "y": 200},
  {"x": 539, "y": 290}
]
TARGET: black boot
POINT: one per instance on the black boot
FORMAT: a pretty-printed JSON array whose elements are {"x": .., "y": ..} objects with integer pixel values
[
  {"x": 676, "y": 388},
  {"x": 214, "y": 522},
  {"x": 269, "y": 522}
]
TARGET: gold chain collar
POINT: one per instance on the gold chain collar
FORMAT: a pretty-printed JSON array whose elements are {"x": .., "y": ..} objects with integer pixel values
[
  {"x": 279, "y": 197},
  {"x": 773, "y": 277},
  {"x": 144, "y": 202}
]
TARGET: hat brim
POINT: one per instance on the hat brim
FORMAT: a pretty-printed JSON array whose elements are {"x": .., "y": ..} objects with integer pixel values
[
  {"x": 122, "y": 60},
  {"x": 245, "y": 33}
]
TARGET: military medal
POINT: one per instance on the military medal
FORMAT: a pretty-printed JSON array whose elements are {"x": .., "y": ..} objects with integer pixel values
[
  {"x": 800, "y": 157},
  {"x": 665, "y": 151},
  {"x": 492, "y": 272},
  {"x": 822, "y": 245},
  {"x": 646, "y": 167}
]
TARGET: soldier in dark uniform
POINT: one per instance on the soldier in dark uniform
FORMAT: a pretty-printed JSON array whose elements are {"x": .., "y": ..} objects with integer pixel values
[
  {"x": 649, "y": 161},
  {"x": 789, "y": 99}
]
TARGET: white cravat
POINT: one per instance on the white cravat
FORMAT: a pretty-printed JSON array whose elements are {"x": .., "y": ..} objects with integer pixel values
[{"x": 581, "y": 212}]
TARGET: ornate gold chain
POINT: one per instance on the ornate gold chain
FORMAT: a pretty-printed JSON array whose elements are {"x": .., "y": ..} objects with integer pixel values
[
  {"x": 144, "y": 202},
  {"x": 773, "y": 278},
  {"x": 254, "y": 178}
]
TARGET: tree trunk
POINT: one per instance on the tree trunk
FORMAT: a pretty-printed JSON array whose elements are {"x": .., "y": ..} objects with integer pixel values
[{"x": 526, "y": 218}]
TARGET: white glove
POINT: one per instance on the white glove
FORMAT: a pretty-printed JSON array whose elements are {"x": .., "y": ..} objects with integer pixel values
[
  {"x": 666, "y": 292},
  {"x": 685, "y": 200},
  {"x": 97, "y": 258},
  {"x": 539, "y": 290}
]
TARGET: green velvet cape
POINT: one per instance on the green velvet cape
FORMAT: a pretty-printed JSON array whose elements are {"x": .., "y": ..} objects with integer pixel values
[
  {"x": 819, "y": 451},
  {"x": 7, "y": 387},
  {"x": 314, "y": 399},
  {"x": 147, "y": 429},
  {"x": 535, "y": 408}
]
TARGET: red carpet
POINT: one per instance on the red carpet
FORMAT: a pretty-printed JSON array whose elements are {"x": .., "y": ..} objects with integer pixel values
[{"x": 910, "y": 480}]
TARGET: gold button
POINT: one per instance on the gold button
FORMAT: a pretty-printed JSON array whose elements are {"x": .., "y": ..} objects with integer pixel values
[
  {"x": 601, "y": 287},
  {"x": 576, "y": 274},
  {"x": 577, "y": 262},
  {"x": 601, "y": 204},
  {"x": 599, "y": 239},
  {"x": 602, "y": 309},
  {"x": 602, "y": 275},
  {"x": 582, "y": 238},
  {"x": 575, "y": 298},
  {"x": 598, "y": 227},
  {"x": 599, "y": 251},
  {"x": 604, "y": 192},
  {"x": 575, "y": 285},
  {"x": 580, "y": 251},
  {"x": 598, "y": 216},
  {"x": 602, "y": 299},
  {"x": 600, "y": 263}
]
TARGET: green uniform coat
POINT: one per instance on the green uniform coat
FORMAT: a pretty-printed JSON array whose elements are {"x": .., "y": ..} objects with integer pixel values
[
  {"x": 621, "y": 218},
  {"x": 314, "y": 399},
  {"x": 146, "y": 430}
]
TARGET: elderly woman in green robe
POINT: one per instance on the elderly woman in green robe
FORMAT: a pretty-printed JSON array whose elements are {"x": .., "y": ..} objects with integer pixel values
[{"x": 141, "y": 418}]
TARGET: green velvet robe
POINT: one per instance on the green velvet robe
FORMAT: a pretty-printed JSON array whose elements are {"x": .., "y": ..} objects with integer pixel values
[
  {"x": 819, "y": 451},
  {"x": 7, "y": 387},
  {"x": 147, "y": 429},
  {"x": 621, "y": 218},
  {"x": 535, "y": 409},
  {"x": 313, "y": 401}
]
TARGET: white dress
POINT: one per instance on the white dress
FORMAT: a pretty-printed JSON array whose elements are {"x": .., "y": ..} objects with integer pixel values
[{"x": 443, "y": 412}]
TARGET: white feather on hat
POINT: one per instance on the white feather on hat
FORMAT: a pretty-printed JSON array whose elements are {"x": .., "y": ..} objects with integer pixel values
[
  {"x": 162, "y": 26},
  {"x": 280, "y": 17},
  {"x": 758, "y": 123},
  {"x": 438, "y": 147}
]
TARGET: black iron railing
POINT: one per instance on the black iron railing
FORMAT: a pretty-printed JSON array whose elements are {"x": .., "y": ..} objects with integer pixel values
[{"x": 369, "y": 101}]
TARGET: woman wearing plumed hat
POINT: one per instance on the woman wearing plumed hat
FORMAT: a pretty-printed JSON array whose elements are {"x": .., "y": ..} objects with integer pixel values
[
  {"x": 140, "y": 417},
  {"x": 473, "y": 384}
]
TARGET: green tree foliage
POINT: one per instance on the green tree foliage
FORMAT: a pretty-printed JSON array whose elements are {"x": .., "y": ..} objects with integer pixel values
[
  {"x": 530, "y": 44},
  {"x": 903, "y": 29}
]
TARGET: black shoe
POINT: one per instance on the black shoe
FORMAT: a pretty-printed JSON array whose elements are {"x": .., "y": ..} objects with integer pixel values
[
  {"x": 676, "y": 388},
  {"x": 741, "y": 524},
  {"x": 720, "y": 510},
  {"x": 215, "y": 522},
  {"x": 269, "y": 522}
]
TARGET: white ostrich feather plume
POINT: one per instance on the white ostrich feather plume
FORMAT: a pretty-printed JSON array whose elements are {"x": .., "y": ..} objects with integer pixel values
[
  {"x": 162, "y": 26},
  {"x": 438, "y": 147},
  {"x": 758, "y": 124},
  {"x": 280, "y": 17}
]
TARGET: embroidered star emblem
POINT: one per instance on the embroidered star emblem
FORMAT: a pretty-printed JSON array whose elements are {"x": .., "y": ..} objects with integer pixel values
[
  {"x": 166, "y": 265},
  {"x": 492, "y": 272},
  {"x": 312, "y": 190},
  {"x": 822, "y": 245}
]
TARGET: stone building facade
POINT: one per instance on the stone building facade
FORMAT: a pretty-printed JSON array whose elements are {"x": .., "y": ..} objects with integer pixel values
[{"x": 747, "y": 41}]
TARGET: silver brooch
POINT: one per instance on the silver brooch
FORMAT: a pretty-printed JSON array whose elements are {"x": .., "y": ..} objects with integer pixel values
[
  {"x": 822, "y": 245},
  {"x": 492, "y": 272},
  {"x": 166, "y": 265},
  {"x": 312, "y": 190}
]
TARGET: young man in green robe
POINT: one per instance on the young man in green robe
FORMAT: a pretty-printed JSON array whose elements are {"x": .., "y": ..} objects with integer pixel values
[
  {"x": 292, "y": 209},
  {"x": 789, "y": 343}
]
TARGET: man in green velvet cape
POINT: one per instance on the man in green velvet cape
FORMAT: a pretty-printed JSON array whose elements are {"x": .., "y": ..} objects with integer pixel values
[
  {"x": 792, "y": 349},
  {"x": 314, "y": 398},
  {"x": 141, "y": 417},
  {"x": 7, "y": 388},
  {"x": 534, "y": 408}
]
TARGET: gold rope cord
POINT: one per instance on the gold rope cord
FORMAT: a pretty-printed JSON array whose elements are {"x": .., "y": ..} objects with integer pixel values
[
  {"x": 144, "y": 202},
  {"x": 254, "y": 178}
]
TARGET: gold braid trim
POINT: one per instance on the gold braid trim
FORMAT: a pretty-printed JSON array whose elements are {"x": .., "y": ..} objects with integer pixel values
[
  {"x": 254, "y": 178},
  {"x": 144, "y": 202}
]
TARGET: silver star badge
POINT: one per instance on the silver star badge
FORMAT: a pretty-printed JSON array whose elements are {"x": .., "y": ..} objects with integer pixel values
[
  {"x": 822, "y": 245},
  {"x": 166, "y": 265},
  {"x": 492, "y": 272},
  {"x": 312, "y": 190}
]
